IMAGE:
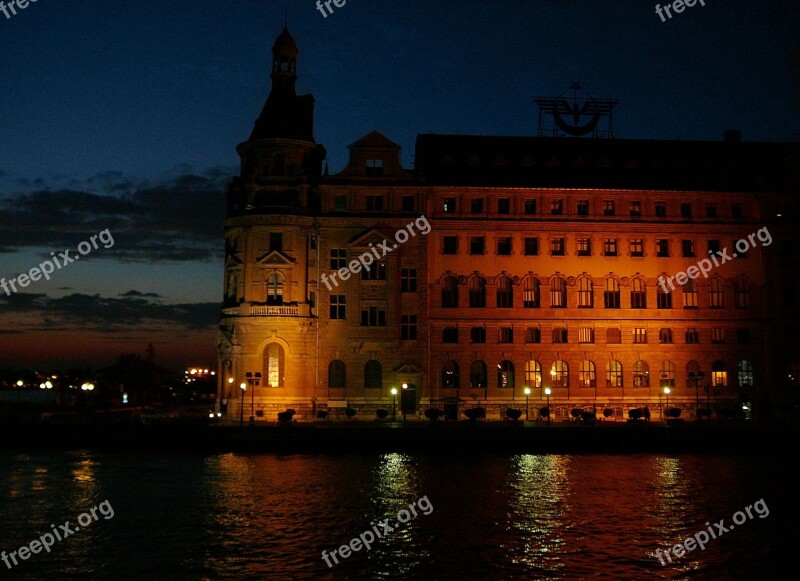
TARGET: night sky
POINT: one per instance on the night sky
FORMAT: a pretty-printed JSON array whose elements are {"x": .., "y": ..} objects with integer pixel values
[{"x": 125, "y": 116}]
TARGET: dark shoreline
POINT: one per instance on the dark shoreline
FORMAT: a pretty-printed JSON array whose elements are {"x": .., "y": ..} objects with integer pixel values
[{"x": 417, "y": 437}]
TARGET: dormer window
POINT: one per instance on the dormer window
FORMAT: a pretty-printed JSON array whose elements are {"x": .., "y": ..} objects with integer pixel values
[{"x": 374, "y": 167}]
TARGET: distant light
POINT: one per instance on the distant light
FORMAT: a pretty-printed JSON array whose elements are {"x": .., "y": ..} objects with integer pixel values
[
  {"x": 780, "y": 215},
  {"x": 124, "y": 398},
  {"x": 41, "y": 386},
  {"x": 394, "y": 391},
  {"x": 230, "y": 380},
  {"x": 547, "y": 391},
  {"x": 20, "y": 383},
  {"x": 405, "y": 386},
  {"x": 243, "y": 386},
  {"x": 666, "y": 390},
  {"x": 527, "y": 391},
  {"x": 213, "y": 373},
  {"x": 48, "y": 385},
  {"x": 744, "y": 407},
  {"x": 219, "y": 414},
  {"x": 211, "y": 415}
]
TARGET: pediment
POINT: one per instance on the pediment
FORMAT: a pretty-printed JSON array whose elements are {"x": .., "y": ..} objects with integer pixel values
[
  {"x": 275, "y": 257},
  {"x": 408, "y": 369},
  {"x": 372, "y": 236}
]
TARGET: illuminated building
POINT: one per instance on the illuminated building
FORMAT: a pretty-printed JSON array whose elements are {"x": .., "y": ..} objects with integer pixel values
[{"x": 541, "y": 270}]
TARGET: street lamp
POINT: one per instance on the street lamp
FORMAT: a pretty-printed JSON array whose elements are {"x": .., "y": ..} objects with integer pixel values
[
  {"x": 394, "y": 402},
  {"x": 547, "y": 392},
  {"x": 696, "y": 377},
  {"x": 253, "y": 381},
  {"x": 243, "y": 387},
  {"x": 527, "y": 394},
  {"x": 666, "y": 393},
  {"x": 405, "y": 386}
]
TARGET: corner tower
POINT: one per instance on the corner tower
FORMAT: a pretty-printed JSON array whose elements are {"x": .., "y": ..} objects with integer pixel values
[{"x": 268, "y": 323}]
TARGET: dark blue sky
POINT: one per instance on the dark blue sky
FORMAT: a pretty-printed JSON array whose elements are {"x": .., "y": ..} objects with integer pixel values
[{"x": 126, "y": 115}]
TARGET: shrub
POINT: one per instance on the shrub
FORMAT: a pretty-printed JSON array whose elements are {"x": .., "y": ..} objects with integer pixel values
[
  {"x": 475, "y": 413},
  {"x": 322, "y": 414},
  {"x": 673, "y": 412},
  {"x": 433, "y": 414},
  {"x": 576, "y": 413},
  {"x": 513, "y": 414},
  {"x": 588, "y": 416},
  {"x": 608, "y": 412},
  {"x": 349, "y": 412},
  {"x": 544, "y": 412},
  {"x": 635, "y": 414},
  {"x": 382, "y": 413}
]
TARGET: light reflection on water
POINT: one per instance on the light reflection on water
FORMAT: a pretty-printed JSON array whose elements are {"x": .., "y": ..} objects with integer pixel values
[{"x": 494, "y": 517}]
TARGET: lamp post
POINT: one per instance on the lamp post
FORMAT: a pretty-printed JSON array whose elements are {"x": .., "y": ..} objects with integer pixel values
[
  {"x": 666, "y": 393},
  {"x": 243, "y": 387},
  {"x": 696, "y": 377},
  {"x": 394, "y": 403},
  {"x": 254, "y": 381},
  {"x": 547, "y": 392},
  {"x": 527, "y": 395},
  {"x": 405, "y": 386}
]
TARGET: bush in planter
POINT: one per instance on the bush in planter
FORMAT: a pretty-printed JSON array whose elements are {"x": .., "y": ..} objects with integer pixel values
[
  {"x": 475, "y": 413},
  {"x": 588, "y": 416},
  {"x": 349, "y": 412},
  {"x": 382, "y": 414},
  {"x": 635, "y": 414},
  {"x": 544, "y": 412},
  {"x": 285, "y": 417},
  {"x": 322, "y": 414},
  {"x": 704, "y": 412},
  {"x": 608, "y": 412},
  {"x": 576, "y": 413},
  {"x": 513, "y": 414},
  {"x": 673, "y": 412},
  {"x": 260, "y": 413},
  {"x": 433, "y": 414}
]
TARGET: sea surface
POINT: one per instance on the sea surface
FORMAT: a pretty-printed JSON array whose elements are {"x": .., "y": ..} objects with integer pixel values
[{"x": 267, "y": 516}]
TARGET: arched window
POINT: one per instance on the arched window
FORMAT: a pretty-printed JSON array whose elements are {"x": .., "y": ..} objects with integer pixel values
[
  {"x": 505, "y": 292},
  {"x": 450, "y": 292},
  {"x": 641, "y": 374},
  {"x": 745, "y": 373},
  {"x": 233, "y": 284},
  {"x": 530, "y": 294},
  {"x": 663, "y": 297},
  {"x": 588, "y": 376},
  {"x": 477, "y": 292},
  {"x": 716, "y": 296},
  {"x": 690, "y": 295},
  {"x": 477, "y": 374},
  {"x": 373, "y": 374},
  {"x": 719, "y": 374},
  {"x": 667, "y": 374},
  {"x": 558, "y": 293},
  {"x": 585, "y": 293},
  {"x": 450, "y": 375},
  {"x": 742, "y": 293},
  {"x": 533, "y": 374},
  {"x": 560, "y": 374},
  {"x": 275, "y": 288},
  {"x": 638, "y": 294},
  {"x": 505, "y": 374},
  {"x": 274, "y": 365},
  {"x": 614, "y": 374},
  {"x": 611, "y": 294},
  {"x": 693, "y": 370},
  {"x": 337, "y": 374}
]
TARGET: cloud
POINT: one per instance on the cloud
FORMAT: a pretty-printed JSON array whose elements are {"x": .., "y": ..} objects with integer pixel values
[
  {"x": 176, "y": 220},
  {"x": 135, "y": 293},
  {"x": 95, "y": 313}
]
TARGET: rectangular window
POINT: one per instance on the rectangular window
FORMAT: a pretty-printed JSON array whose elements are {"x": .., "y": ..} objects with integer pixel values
[
  {"x": 687, "y": 248},
  {"x": 585, "y": 335},
  {"x": 636, "y": 209},
  {"x": 557, "y": 207},
  {"x": 374, "y": 167},
  {"x": 338, "y": 258},
  {"x": 560, "y": 335},
  {"x": 376, "y": 272},
  {"x": 640, "y": 335},
  {"x": 711, "y": 210},
  {"x": 717, "y": 335},
  {"x": 610, "y": 247},
  {"x": 477, "y": 335},
  {"x": 504, "y": 206},
  {"x": 450, "y": 245},
  {"x": 373, "y": 317},
  {"x": 408, "y": 204},
  {"x": 662, "y": 248},
  {"x": 338, "y": 307},
  {"x": 275, "y": 241},
  {"x": 533, "y": 335},
  {"x": 713, "y": 246},
  {"x": 609, "y": 208},
  {"x": 340, "y": 203},
  {"x": 736, "y": 210},
  {"x": 408, "y": 280},
  {"x": 686, "y": 210},
  {"x": 530, "y": 206},
  {"x": 449, "y": 205},
  {"x": 450, "y": 335},
  {"x": 661, "y": 209},
  {"x": 312, "y": 299},
  {"x": 637, "y": 247},
  {"x": 504, "y": 246},
  {"x": 665, "y": 336},
  {"x": 743, "y": 336},
  {"x": 692, "y": 337},
  {"x": 613, "y": 336},
  {"x": 408, "y": 327},
  {"x": 374, "y": 203},
  {"x": 531, "y": 246},
  {"x": 663, "y": 300},
  {"x": 506, "y": 335},
  {"x": 584, "y": 247},
  {"x": 583, "y": 207},
  {"x": 313, "y": 242},
  {"x": 476, "y": 245},
  {"x": 476, "y": 205},
  {"x": 557, "y": 247}
]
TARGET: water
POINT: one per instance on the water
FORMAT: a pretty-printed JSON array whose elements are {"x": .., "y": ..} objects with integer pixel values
[{"x": 494, "y": 517}]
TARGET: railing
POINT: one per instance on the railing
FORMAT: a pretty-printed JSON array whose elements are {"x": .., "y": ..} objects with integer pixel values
[{"x": 283, "y": 311}]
